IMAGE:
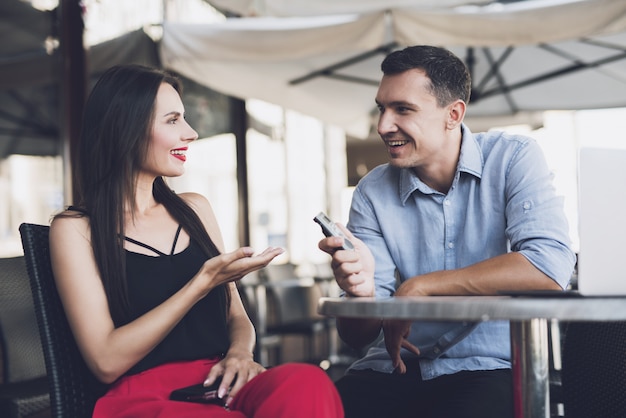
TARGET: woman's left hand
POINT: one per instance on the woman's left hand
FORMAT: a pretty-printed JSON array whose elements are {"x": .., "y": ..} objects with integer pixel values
[{"x": 237, "y": 369}]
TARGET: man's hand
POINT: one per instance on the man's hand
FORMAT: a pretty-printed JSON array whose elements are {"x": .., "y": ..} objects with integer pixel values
[
  {"x": 353, "y": 269},
  {"x": 396, "y": 334}
]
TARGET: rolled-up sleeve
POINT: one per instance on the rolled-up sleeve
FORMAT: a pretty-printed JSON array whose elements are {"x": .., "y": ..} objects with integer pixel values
[{"x": 536, "y": 224}]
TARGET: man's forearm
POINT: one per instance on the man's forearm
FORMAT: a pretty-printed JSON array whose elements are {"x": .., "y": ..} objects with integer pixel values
[{"x": 510, "y": 271}]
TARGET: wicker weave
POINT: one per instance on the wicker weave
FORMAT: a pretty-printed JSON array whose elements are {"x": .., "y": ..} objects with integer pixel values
[
  {"x": 24, "y": 388},
  {"x": 73, "y": 389},
  {"x": 594, "y": 370}
]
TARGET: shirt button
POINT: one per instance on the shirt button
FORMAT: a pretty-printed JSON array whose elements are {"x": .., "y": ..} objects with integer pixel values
[
  {"x": 526, "y": 205},
  {"x": 451, "y": 244},
  {"x": 446, "y": 202}
]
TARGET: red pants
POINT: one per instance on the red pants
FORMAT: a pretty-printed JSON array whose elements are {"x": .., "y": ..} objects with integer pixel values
[{"x": 290, "y": 390}]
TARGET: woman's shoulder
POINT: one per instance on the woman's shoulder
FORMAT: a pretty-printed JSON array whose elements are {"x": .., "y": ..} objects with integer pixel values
[
  {"x": 195, "y": 200},
  {"x": 200, "y": 204},
  {"x": 70, "y": 221},
  {"x": 202, "y": 207}
]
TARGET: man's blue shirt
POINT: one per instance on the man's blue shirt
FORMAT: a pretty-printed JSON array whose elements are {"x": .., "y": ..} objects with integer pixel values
[{"x": 502, "y": 199}]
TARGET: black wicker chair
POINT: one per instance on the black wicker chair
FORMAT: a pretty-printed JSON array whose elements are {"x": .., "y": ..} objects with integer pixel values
[
  {"x": 73, "y": 388},
  {"x": 24, "y": 386},
  {"x": 594, "y": 370}
]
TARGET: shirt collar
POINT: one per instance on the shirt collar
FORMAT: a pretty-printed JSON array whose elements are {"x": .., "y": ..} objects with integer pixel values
[{"x": 470, "y": 161}]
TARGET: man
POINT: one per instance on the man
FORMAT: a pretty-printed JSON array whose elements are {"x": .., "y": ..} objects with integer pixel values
[{"x": 453, "y": 213}]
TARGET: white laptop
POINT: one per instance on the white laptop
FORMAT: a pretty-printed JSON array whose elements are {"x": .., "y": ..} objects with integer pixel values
[{"x": 602, "y": 221}]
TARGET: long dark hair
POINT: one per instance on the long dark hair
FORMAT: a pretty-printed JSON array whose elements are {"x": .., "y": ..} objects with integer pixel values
[{"x": 115, "y": 137}]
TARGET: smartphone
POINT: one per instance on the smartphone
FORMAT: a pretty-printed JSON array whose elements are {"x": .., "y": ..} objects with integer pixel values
[
  {"x": 331, "y": 230},
  {"x": 199, "y": 393}
]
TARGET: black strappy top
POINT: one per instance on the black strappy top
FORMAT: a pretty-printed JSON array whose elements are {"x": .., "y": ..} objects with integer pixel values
[
  {"x": 141, "y": 244},
  {"x": 203, "y": 332}
]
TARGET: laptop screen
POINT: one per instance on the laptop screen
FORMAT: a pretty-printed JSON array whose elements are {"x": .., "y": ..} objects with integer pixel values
[{"x": 602, "y": 221}]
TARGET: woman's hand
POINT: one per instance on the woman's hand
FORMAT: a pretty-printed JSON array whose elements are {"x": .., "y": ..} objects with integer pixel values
[
  {"x": 237, "y": 369},
  {"x": 232, "y": 266}
]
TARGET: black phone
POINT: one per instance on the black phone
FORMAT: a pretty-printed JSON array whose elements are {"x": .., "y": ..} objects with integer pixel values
[
  {"x": 199, "y": 393},
  {"x": 331, "y": 230}
]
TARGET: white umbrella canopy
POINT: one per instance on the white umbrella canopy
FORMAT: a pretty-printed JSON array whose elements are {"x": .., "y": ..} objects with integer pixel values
[
  {"x": 328, "y": 7},
  {"x": 528, "y": 56}
]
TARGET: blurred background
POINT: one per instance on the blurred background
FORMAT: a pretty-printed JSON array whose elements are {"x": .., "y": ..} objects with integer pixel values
[
  {"x": 282, "y": 95},
  {"x": 295, "y": 164}
]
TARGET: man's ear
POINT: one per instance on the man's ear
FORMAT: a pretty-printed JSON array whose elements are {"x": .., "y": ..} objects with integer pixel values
[{"x": 456, "y": 113}]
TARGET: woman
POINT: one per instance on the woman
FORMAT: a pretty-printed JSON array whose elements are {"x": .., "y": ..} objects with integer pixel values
[{"x": 147, "y": 289}]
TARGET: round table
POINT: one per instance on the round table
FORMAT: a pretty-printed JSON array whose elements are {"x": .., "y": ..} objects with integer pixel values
[{"x": 528, "y": 315}]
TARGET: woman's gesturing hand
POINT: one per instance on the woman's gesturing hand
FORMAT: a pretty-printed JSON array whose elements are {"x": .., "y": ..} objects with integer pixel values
[{"x": 234, "y": 265}]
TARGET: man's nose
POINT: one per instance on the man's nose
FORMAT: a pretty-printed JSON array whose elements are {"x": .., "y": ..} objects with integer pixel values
[{"x": 386, "y": 123}]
